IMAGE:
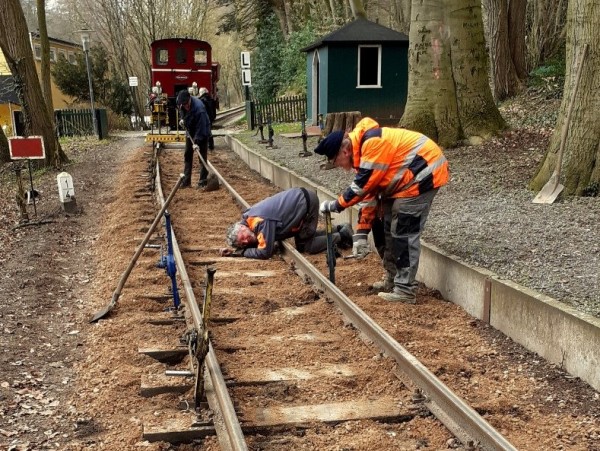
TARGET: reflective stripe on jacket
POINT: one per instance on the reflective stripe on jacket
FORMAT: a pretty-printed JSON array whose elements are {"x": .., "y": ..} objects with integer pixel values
[{"x": 391, "y": 163}]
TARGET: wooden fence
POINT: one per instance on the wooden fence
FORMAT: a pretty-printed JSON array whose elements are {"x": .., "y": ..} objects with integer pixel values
[
  {"x": 283, "y": 109},
  {"x": 74, "y": 122}
]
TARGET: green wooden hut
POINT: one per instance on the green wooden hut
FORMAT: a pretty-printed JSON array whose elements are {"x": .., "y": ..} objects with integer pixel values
[{"x": 363, "y": 67}]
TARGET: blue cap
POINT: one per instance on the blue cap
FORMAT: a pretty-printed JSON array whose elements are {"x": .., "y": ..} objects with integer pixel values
[
  {"x": 183, "y": 97},
  {"x": 330, "y": 146}
]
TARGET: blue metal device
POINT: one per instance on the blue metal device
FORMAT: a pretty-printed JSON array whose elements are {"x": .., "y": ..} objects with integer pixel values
[{"x": 167, "y": 262}]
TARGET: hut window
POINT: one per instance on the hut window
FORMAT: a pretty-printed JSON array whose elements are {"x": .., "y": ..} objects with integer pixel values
[{"x": 369, "y": 65}]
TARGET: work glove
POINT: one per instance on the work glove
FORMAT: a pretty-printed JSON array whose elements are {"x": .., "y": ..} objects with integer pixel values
[
  {"x": 195, "y": 147},
  {"x": 330, "y": 205},
  {"x": 360, "y": 245}
]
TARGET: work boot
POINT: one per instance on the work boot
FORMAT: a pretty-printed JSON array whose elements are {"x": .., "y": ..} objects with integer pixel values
[
  {"x": 346, "y": 232},
  {"x": 385, "y": 284},
  {"x": 202, "y": 184},
  {"x": 396, "y": 296}
]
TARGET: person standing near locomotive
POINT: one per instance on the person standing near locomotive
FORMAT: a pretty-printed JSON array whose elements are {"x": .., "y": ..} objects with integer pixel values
[
  {"x": 211, "y": 110},
  {"x": 197, "y": 125},
  {"x": 398, "y": 173}
]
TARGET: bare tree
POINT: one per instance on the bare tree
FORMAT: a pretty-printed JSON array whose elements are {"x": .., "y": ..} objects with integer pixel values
[
  {"x": 45, "y": 58},
  {"x": 14, "y": 43},
  {"x": 505, "y": 79},
  {"x": 547, "y": 31},
  {"x": 358, "y": 9},
  {"x": 581, "y": 159},
  {"x": 449, "y": 97}
]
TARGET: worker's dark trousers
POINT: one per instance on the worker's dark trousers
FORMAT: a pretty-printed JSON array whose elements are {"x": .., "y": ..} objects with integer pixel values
[
  {"x": 403, "y": 222},
  {"x": 308, "y": 239},
  {"x": 189, "y": 159}
]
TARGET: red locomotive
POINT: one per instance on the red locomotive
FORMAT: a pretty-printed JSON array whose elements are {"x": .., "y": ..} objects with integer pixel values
[{"x": 178, "y": 64}]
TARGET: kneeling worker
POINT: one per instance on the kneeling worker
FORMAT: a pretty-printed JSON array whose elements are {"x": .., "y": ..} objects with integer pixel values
[{"x": 290, "y": 213}]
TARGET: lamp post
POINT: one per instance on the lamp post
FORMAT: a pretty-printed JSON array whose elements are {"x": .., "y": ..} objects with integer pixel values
[{"x": 85, "y": 40}]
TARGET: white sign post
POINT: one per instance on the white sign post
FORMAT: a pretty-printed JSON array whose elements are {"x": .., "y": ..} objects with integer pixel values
[
  {"x": 246, "y": 77},
  {"x": 245, "y": 60},
  {"x": 245, "y": 63}
]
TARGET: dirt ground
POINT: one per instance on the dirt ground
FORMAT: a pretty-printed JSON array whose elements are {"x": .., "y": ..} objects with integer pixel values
[{"x": 65, "y": 384}]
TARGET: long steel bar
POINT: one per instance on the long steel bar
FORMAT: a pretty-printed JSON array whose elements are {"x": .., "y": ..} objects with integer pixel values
[{"x": 230, "y": 419}]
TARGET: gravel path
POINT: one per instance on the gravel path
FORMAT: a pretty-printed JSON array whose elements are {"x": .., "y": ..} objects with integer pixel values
[{"x": 485, "y": 215}]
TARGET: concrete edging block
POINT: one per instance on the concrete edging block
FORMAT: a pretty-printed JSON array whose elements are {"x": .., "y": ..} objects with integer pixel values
[
  {"x": 557, "y": 332},
  {"x": 458, "y": 282}
]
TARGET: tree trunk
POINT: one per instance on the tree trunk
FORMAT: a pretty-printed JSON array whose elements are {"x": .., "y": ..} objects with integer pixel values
[
  {"x": 4, "y": 153},
  {"x": 581, "y": 159},
  {"x": 14, "y": 43},
  {"x": 517, "y": 25},
  {"x": 449, "y": 97},
  {"x": 504, "y": 76},
  {"x": 358, "y": 9},
  {"x": 45, "y": 63}
]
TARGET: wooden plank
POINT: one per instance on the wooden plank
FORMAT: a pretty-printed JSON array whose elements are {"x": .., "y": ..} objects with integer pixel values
[
  {"x": 233, "y": 344},
  {"x": 155, "y": 384},
  {"x": 254, "y": 274},
  {"x": 173, "y": 431},
  {"x": 256, "y": 376},
  {"x": 378, "y": 409},
  {"x": 165, "y": 355}
]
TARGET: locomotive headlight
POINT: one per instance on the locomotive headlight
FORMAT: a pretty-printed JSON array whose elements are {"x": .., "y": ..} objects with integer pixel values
[{"x": 158, "y": 88}]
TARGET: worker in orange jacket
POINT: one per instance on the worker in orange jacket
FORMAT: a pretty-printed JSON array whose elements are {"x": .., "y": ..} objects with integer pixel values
[{"x": 398, "y": 173}]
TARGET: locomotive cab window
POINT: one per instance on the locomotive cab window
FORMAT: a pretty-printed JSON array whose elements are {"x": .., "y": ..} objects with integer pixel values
[
  {"x": 200, "y": 57},
  {"x": 180, "y": 56},
  {"x": 162, "y": 56}
]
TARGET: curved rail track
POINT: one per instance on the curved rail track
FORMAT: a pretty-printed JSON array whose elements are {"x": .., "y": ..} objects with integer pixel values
[{"x": 324, "y": 368}]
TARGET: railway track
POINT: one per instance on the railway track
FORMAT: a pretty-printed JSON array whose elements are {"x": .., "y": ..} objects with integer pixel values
[
  {"x": 226, "y": 117},
  {"x": 284, "y": 366}
]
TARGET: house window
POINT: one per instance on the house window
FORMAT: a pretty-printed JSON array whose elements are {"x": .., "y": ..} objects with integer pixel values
[
  {"x": 200, "y": 57},
  {"x": 62, "y": 53},
  {"x": 369, "y": 66},
  {"x": 37, "y": 50},
  {"x": 72, "y": 58},
  {"x": 162, "y": 56},
  {"x": 52, "y": 55}
]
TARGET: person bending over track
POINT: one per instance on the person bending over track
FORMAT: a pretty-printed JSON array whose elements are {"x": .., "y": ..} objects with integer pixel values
[
  {"x": 290, "y": 213},
  {"x": 398, "y": 173}
]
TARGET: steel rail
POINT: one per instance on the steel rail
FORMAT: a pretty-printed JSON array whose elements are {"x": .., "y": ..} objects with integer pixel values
[
  {"x": 450, "y": 409},
  {"x": 225, "y": 405},
  {"x": 462, "y": 420}
]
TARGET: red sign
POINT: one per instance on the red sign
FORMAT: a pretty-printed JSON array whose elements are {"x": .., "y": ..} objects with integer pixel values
[{"x": 22, "y": 148}]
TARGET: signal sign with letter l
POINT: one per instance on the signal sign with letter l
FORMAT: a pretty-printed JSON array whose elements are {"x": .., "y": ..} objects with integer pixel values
[{"x": 246, "y": 78}]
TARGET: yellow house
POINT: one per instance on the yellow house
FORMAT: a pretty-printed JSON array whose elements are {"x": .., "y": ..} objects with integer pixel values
[{"x": 8, "y": 98}]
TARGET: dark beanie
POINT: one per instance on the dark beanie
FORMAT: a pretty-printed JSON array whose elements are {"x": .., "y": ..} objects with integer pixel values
[
  {"x": 183, "y": 97},
  {"x": 330, "y": 146}
]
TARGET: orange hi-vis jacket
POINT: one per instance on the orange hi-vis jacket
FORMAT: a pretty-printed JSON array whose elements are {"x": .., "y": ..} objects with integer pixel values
[{"x": 390, "y": 163}]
